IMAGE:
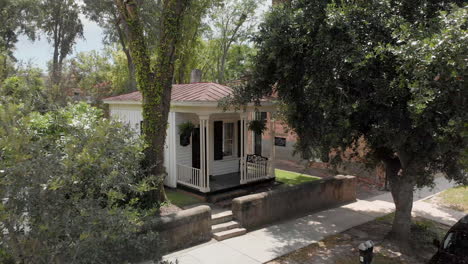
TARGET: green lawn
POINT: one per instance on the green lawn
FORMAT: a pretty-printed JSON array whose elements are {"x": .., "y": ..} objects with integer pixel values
[
  {"x": 181, "y": 199},
  {"x": 455, "y": 198},
  {"x": 293, "y": 178}
]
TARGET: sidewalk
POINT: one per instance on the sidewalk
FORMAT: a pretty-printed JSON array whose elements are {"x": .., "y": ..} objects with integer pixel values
[{"x": 273, "y": 241}]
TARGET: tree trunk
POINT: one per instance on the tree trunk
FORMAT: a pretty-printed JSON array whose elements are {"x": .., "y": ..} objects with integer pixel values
[
  {"x": 401, "y": 186},
  {"x": 155, "y": 86},
  {"x": 123, "y": 35},
  {"x": 55, "y": 71},
  {"x": 131, "y": 72},
  {"x": 4, "y": 74}
]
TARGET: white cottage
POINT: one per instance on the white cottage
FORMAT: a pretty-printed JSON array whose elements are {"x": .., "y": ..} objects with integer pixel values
[{"x": 222, "y": 153}]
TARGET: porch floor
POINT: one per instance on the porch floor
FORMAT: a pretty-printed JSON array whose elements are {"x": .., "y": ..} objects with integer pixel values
[{"x": 225, "y": 181}]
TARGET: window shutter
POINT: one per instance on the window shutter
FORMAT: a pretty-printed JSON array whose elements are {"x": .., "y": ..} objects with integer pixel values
[{"x": 218, "y": 140}]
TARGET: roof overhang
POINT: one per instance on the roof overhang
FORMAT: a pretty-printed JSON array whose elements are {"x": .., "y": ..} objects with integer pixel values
[
  {"x": 203, "y": 106},
  {"x": 122, "y": 102}
]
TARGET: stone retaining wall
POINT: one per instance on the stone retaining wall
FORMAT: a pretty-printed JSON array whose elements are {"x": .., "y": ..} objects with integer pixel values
[
  {"x": 184, "y": 229},
  {"x": 259, "y": 209}
]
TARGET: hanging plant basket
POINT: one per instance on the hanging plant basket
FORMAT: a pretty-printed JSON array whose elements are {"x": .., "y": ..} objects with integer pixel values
[
  {"x": 257, "y": 126},
  {"x": 185, "y": 132}
]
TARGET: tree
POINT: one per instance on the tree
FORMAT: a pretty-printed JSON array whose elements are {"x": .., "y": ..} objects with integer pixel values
[
  {"x": 105, "y": 13},
  {"x": 61, "y": 23},
  {"x": 155, "y": 82},
  {"x": 16, "y": 17},
  {"x": 193, "y": 28},
  {"x": 395, "y": 79},
  {"x": 69, "y": 184},
  {"x": 91, "y": 72},
  {"x": 25, "y": 90},
  {"x": 119, "y": 71},
  {"x": 6, "y": 65},
  {"x": 231, "y": 22},
  {"x": 238, "y": 60}
]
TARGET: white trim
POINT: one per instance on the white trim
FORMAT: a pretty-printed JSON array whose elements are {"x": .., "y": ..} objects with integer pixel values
[
  {"x": 213, "y": 103},
  {"x": 190, "y": 103},
  {"x": 122, "y": 102},
  {"x": 173, "y": 146}
]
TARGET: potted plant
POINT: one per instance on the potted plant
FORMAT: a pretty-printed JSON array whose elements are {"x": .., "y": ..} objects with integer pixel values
[
  {"x": 257, "y": 126},
  {"x": 185, "y": 131}
]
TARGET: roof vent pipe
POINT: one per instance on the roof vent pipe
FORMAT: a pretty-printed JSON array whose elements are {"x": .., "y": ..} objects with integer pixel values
[{"x": 195, "y": 76}]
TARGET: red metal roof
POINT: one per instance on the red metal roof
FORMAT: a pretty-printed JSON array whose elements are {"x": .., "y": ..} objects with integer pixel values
[{"x": 192, "y": 92}]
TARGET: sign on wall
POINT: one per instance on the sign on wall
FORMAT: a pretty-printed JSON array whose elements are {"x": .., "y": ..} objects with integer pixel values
[{"x": 280, "y": 141}]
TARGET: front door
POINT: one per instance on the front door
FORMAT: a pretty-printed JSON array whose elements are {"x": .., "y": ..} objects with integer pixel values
[{"x": 196, "y": 148}]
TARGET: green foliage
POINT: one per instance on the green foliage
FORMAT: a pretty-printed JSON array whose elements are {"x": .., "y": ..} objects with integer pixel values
[
  {"x": 62, "y": 25},
  {"x": 91, "y": 72},
  {"x": 92, "y": 69},
  {"x": 16, "y": 17},
  {"x": 225, "y": 53},
  {"x": 257, "y": 126},
  {"x": 238, "y": 61},
  {"x": 186, "y": 128},
  {"x": 395, "y": 79},
  {"x": 120, "y": 76},
  {"x": 6, "y": 65},
  {"x": 70, "y": 182},
  {"x": 25, "y": 89},
  {"x": 185, "y": 131},
  {"x": 192, "y": 29}
]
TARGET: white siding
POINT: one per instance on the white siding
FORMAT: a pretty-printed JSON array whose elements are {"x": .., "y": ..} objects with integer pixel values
[{"x": 131, "y": 114}]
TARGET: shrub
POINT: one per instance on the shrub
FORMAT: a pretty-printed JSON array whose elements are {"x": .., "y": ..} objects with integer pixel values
[{"x": 70, "y": 182}]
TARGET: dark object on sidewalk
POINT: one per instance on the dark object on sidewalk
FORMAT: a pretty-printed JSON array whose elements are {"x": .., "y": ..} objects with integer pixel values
[
  {"x": 454, "y": 247},
  {"x": 366, "y": 252}
]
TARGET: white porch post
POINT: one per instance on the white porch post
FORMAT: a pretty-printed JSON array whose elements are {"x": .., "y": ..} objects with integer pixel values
[
  {"x": 272, "y": 145},
  {"x": 204, "y": 153},
  {"x": 243, "y": 146}
]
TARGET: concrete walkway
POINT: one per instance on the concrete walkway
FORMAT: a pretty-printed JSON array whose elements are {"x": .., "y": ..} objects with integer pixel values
[{"x": 276, "y": 240}]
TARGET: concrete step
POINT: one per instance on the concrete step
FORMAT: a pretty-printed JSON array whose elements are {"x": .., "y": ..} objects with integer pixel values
[
  {"x": 224, "y": 226},
  {"x": 226, "y": 204},
  {"x": 229, "y": 233},
  {"x": 222, "y": 217}
]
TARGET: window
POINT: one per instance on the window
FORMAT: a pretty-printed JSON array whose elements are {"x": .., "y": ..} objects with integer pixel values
[{"x": 228, "y": 139}]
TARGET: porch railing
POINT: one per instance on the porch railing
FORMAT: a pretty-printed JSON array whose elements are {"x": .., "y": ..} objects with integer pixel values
[
  {"x": 189, "y": 176},
  {"x": 255, "y": 171}
]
